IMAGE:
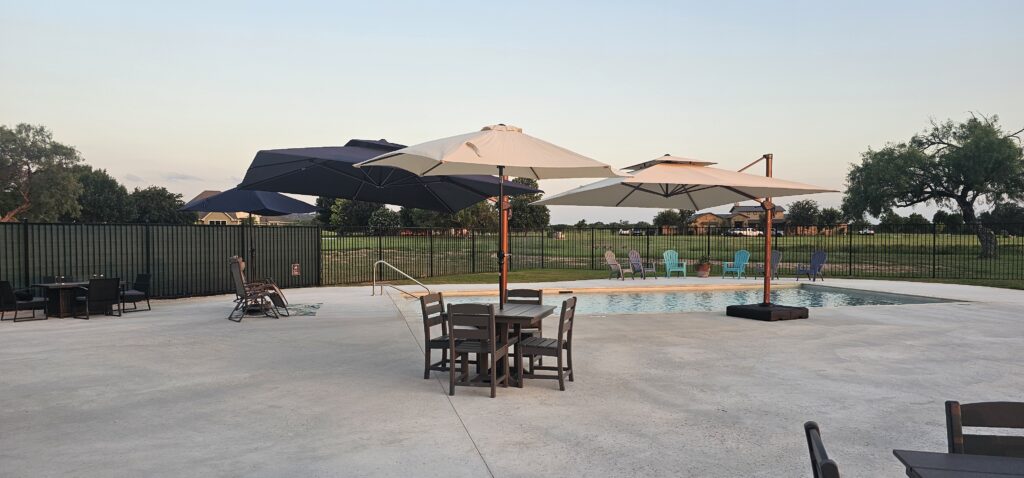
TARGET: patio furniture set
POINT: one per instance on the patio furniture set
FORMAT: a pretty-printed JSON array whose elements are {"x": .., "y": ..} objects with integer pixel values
[
  {"x": 499, "y": 339},
  {"x": 814, "y": 270},
  {"x": 66, "y": 297},
  {"x": 968, "y": 455}
]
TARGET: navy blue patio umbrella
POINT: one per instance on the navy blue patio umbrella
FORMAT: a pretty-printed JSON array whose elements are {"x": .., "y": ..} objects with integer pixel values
[
  {"x": 263, "y": 203},
  {"x": 328, "y": 171}
]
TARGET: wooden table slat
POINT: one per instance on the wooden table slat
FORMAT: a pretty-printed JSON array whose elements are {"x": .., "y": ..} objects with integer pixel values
[{"x": 930, "y": 464}]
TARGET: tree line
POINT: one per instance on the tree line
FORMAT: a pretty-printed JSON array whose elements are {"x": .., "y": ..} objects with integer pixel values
[{"x": 42, "y": 180}]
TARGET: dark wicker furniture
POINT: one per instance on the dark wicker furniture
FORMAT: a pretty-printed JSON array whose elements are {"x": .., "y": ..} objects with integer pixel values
[
  {"x": 11, "y": 302},
  {"x": 102, "y": 296},
  {"x": 137, "y": 293}
]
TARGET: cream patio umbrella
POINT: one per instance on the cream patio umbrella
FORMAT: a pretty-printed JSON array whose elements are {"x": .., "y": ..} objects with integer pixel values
[
  {"x": 673, "y": 182},
  {"x": 502, "y": 148}
]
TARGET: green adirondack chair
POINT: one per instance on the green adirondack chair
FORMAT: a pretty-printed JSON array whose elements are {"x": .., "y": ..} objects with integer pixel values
[
  {"x": 738, "y": 265},
  {"x": 672, "y": 263}
]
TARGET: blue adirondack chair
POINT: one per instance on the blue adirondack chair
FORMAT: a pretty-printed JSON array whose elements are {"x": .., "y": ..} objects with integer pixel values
[
  {"x": 672, "y": 263},
  {"x": 738, "y": 265},
  {"x": 816, "y": 268},
  {"x": 776, "y": 259}
]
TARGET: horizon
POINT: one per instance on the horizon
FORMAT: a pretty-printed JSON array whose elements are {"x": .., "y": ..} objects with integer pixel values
[{"x": 183, "y": 96}]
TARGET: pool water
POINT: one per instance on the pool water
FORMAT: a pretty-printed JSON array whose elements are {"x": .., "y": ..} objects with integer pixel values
[{"x": 606, "y": 303}]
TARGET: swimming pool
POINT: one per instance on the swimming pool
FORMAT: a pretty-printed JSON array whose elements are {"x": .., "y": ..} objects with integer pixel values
[{"x": 639, "y": 302}]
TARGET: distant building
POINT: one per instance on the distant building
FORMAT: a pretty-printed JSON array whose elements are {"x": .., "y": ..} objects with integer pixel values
[{"x": 738, "y": 216}]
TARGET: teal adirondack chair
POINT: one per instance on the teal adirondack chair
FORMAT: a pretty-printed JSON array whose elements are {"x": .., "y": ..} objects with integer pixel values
[
  {"x": 738, "y": 265},
  {"x": 672, "y": 263}
]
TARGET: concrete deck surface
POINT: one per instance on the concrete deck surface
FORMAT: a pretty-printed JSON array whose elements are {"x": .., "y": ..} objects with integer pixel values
[{"x": 180, "y": 391}]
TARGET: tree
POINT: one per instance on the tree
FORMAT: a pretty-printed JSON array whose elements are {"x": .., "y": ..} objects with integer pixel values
[
  {"x": 673, "y": 217},
  {"x": 412, "y": 217},
  {"x": 36, "y": 181},
  {"x": 948, "y": 164},
  {"x": 830, "y": 217},
  {"x": 102, "y": 199},
  {"x": 1007, "y": 218},
  {"x": 804, "y": 213},
  {"x": 950, "y": 222},
  {"x": 323, "y": 212},
  {"x": 352, "y": 213},
  {"x": 525, "y": 215},
  {"x": 157, "y": 205},
  {"x": 582, "y": 223},
  {"x": 918, "y": 221},
  {"x": 384, "y": 222},
  {"x": 891, "y": 221},
  {"x": 482, "y": 215}
]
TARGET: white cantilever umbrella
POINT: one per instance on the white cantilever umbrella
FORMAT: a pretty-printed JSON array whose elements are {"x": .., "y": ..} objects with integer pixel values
[
  {"x": 673, "y": 182},
  {"x": 502, "y": 148}
]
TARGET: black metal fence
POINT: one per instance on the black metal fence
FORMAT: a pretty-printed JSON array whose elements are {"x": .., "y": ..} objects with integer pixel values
[{"x": 192, "y": 260}]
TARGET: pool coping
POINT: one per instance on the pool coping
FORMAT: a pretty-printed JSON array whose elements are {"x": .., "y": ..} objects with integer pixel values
[{"x": 598, "y": 290}]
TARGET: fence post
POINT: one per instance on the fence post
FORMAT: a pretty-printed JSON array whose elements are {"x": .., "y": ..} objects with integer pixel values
[
  {"x": 430, "y": 257},
  {"x": 707, "y": 237},
  {"x": 472, "y": 255},
  {"x": 319, "y": 255},
  {"x": 849, "y": 252},
  {"x": 935, "y": 234},
  {"x": 647, "y": 235},
  {"x": 24, "y": 250},
  {"x": 593, "y": 263},
  {"x": 543, "y": 232}
]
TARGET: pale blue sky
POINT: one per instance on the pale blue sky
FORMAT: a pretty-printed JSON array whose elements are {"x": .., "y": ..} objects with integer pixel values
[{"x": 182, "y": 94}]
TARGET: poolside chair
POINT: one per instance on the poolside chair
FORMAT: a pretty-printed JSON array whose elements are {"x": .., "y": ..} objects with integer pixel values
[
  {"x": 985, "y": 415},
  {"x": 776, "y": 259},
  {"x": 539, "y": 347},
  {"x": 137, "y": 293},
  {"x": 102, "y": 296},
  {"x": 276, "y": 295},
  {"x": 614, "y": 268},
  {"x": 821, "y": 465},
  {"x": 672, "y": 263},
  {"x": 432, "y": 306},
  {"x": 249, "y": 296},
  {"x": 815, "y": 269},
  {"x": 638, "y": 266},
  {"x": 738, "y": 265},
  {"x": 19, "y": 300},
  {"x": 526, "y": 296},
  {"x": 472, "y": 330}
]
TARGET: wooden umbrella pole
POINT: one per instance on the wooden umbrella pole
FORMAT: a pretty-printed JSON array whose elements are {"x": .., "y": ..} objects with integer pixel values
[
  {"x": 769, "y": 211},
  {"x": 502, "y": 238}
]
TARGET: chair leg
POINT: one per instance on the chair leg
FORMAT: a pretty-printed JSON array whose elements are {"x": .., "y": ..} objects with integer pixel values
[
  {"x": 494, "y": 374},
  {"x": 451, "y": 376},
  {"x": 561, "y": 373},
  {"x": 426, "y": 362},
  {"x": 568, "y": 356}
]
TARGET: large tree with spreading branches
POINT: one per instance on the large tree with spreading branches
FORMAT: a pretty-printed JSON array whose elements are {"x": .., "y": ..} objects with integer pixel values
[{"x": 962, "y": 165}]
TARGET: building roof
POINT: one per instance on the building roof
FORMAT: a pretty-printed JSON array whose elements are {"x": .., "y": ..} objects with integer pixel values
[{"x": 755, "y": 209}]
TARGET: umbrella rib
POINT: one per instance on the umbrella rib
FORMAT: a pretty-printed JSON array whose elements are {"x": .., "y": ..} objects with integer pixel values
[
  {"x": 439, "y": 200},
  {"x": 624, "y": 198},
  {"x": 741, "y": 193},
  {"x": 535, "y": 175},
  {"x": 695, "y": 206}
]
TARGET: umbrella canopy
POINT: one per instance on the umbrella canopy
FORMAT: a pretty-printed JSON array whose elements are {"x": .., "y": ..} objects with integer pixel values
[
  {"x": 329, "y": 171},
  {"x": 263, "y": 203},
  {"x": 484, "y": 151},
  {"x": 673, "y": 182},
  {"x": 498, "y": 148}
]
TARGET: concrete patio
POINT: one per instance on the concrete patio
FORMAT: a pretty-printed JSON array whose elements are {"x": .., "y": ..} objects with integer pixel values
[{"x": 182, "y": 391}]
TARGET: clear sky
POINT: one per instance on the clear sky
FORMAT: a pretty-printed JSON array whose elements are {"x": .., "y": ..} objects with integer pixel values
[{"x": 182, "y": 94}]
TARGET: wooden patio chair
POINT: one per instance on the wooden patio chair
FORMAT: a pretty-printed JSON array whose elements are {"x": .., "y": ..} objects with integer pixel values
[
  {"x": 539, "y": 346},
  {"x": 102, "y": 296},
  {"x": 472, "y": 330},
  {"x": 432, "y": 306},
  {"x": 248, "y": 296},
  {"x": 526, "y": 296},
  {"x": 738, "y": 265},
  {"x": 672, "y": 263},
  {"x": 274, "y": 293},
  {"x": 20, "y": 300},
  {"x": 638, "y": 266},
  {"x": 614, "y": 268},
  {"x": 776, "y": 259},
  {"x": 821, "y": 465},
  {"x": 137, "y": 293},
  {"x": 985, "y": 415},
  {"x": 814, "y": 270}
]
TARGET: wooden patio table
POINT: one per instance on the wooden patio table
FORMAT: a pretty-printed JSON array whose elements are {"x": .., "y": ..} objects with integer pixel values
[
  {"x": 517, "y": 316},
  {"x": 925, "y": 464}
]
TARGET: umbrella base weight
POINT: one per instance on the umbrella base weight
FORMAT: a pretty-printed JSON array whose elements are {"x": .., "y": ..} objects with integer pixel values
[{"x": 769, "y": 313}]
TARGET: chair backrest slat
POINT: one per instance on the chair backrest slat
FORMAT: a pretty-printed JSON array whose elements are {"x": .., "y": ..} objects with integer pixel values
[
  {"x": 741, "y": 257},
  {"x": 471, "y": 322},
  {"x": 776, "y": 259},
  {"x": 985, "y": 415},
  {"x": 236, "y": 276},
  {"x": 524, "y": 296},
  {"x": 566, "y": 319},
  {"x": 432, "y": 306},
  {"x": 609, "y": 258},
  {"x": 818, "y": 259},
  {"x": 821, "y": 465}
]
